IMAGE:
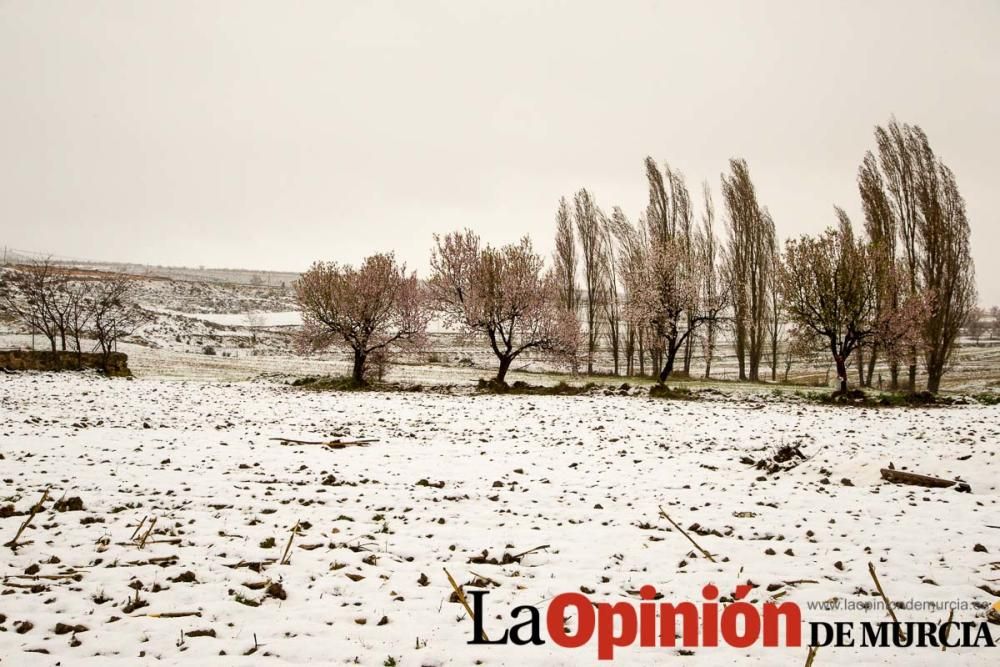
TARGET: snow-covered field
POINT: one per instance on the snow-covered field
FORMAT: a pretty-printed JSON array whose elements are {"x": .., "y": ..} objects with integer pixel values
[{"x": 450, "y": 477}]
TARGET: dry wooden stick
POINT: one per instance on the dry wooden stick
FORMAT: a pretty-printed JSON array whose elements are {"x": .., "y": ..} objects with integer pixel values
[
  {"x": 903, "y": 477},
  {"x": 173, "y": 614},
  {"x": 326, "y": 443},
  {"x": 11, "y": 584},
  {"x": 36, "y": 577},
  {"x": 878, "y": 586},
  {"x": 485, "y": 578},
  {"x": 284, "y": 557},
  {"x": 684, "y": 533},
  {"x": 145, "y": 536},
  {"x": 35, "y": 509},
  {"x": 529, "y": 551},
  {"x": 139, "y": 527},
  {"x": 465, "y": 603},
  {"x": 811, "y": 656}
]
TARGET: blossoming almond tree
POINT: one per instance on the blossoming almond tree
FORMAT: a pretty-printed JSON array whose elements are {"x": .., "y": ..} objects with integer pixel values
[
  {"x": 501, "y": 294},
  {"x": 667, "y": 296},
  {"x": 374, "y": 310}
]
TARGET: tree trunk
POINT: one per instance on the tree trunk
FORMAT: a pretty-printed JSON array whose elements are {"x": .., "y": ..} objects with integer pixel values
[
  {"x": 358, "y": 373},
  {"x": 911, "y": 371},
  {"x": 668, "y": 367},
  {"x": 934, "y": 380},
  {"x": 894, "y": 375},
  {"x": 861, "y": 367},
  {"x": 505, "y": 362},
  {"x": 642, "y": 355},
  {"x": 629, "y": 352},
  {"x": 615, "y": 345},
  {"x": 774, "y": 352},
  {"x": 872, "y": 358},
  {"x": 841, "y": 372},
  {"x": 935, "y": 371},
  {"x": 741, "y": 351},
  {"x": 688, "y": 351}
]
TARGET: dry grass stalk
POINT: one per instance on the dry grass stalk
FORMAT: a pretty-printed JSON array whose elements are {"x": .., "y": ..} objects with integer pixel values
[
  {"x": 139, "y": 527},
  {"x": 888, "y": 604},
  {"x": 947, "y": 628},
  {"x": 288, "y": 547},
  {"x": 465, "y": 603},
  {"x": 529, "y": 551},
  {"x": 684, "y": 533},
  {"x": 145, "y": 536},
  {"x": 35, "y": 509}
]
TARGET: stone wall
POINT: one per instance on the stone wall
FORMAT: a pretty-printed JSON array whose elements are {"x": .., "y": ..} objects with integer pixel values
[{"x": 45, "y": 360}]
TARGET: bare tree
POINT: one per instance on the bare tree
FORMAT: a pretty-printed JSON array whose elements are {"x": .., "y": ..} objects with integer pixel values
[
  {"x": 80, "y": 313},
  {"x": 975, "y": 324},
  {"x": 501, "y": 294},
  {"x": 565, "y": 258},
  {"x": 565, "y": 263},
  {"x": 612, "y": 298},
  {"x": 750, "y": 249},
  {"x": 898, "y": 177},
  {"x": 376, "y": 309},
  {"x": 29, "y": 294},
  {"x": 588, "y": 228},
  {"x": 830, "y": 291},
  {"x": 633, "y": 247},
  {"x": 947, "y": 272},
  {"x": 803, "y": 345},
  {"x": 925, "y": 211},
  {"x": 114, "y": 313},
  {"x": 995, "y": 324},
  {"x": 714, "y": 292},
  {"x": 775, "y": 312},
  {"x": 881, "y": 227}
]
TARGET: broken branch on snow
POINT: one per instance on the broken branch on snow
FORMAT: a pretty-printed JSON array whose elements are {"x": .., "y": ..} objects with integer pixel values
[
  {"x": 330, "y": 444},
  {"x": 902, "y": 477}
]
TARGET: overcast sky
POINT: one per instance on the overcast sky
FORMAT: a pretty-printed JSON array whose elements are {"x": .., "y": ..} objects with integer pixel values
[{"x": 270, "y": 134}]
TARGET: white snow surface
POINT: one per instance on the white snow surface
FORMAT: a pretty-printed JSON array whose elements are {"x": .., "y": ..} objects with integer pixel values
[{"x": 584, "y": 475}]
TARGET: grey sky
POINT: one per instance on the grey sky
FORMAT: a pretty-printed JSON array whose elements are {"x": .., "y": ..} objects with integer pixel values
[{"x": 256, "y": 134}]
